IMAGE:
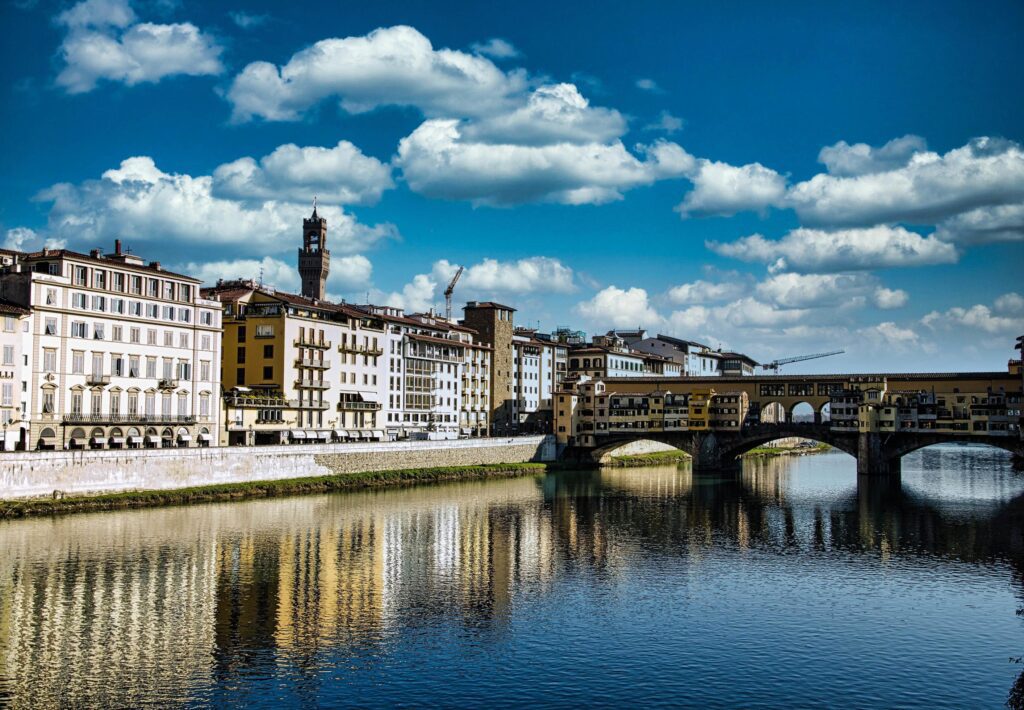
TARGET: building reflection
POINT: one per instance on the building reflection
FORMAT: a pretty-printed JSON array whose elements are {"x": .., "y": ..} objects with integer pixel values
[{"x": 92, "y": 607}]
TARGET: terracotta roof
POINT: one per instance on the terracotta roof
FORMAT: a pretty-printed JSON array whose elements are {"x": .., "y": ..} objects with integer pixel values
[
  {"x": 432, "y": 339},
  {"x": 486, "y": 304}
]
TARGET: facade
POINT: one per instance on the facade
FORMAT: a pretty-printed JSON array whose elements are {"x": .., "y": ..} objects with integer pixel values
[
  {"x": 15, "y": 346},
  {"x": 494, "y": 326},
  {"x": 119, "y": 353}
]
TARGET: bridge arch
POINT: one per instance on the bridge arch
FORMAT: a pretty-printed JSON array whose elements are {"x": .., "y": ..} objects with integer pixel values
[
  {"x": 753, "y": 438},
  {"x": 906, "y": 446}
]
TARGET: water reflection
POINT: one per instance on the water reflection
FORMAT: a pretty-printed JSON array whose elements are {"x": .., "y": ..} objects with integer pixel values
[{"x": 296, "y": 600}]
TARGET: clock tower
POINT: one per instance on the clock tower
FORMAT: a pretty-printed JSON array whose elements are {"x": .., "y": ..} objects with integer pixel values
[{"x": 314, "y": 259}]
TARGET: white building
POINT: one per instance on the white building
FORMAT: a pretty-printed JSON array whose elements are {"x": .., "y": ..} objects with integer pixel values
[{"x": 123, "y": 353}]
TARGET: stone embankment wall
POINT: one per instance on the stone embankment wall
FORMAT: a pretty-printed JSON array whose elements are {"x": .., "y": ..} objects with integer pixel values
[{"x": 41, "y": 473}]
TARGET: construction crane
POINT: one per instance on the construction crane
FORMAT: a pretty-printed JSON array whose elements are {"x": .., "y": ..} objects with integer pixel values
[
  {"x": 774, "y": 365},
  {"x": 448, "y": 293}
]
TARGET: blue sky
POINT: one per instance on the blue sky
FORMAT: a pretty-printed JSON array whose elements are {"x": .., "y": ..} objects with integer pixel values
[{"x": 779, "y": 179}]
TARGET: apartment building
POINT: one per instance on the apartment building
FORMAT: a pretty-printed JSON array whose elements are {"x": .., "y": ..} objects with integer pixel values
[
  {"x": 538, "y": 369},
  {"x": 299, "y": 369},
  {"x": 15, "y": 341},
  {"x": 120, "y": 353}
]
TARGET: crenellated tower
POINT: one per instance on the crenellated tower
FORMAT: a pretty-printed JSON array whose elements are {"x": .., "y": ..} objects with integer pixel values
[{"x": 314, "y": 258}]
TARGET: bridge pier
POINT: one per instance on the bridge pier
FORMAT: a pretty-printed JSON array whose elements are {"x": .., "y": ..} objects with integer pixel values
[
  {"x": 709, "y": 456},
  {"x": 872, "y": 459}
]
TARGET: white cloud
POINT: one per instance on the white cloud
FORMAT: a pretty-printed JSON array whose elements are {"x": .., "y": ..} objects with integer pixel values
[
  {"x": 984, "y": 225},
  {"x": 618, "y": 308},
  {"x": 553, "y": 114},
  {"x": 723, "y": 189},
  {"x": 102, "y": 43},
  {"x": 930, "y": 187},
  {"x": 890, "y": 335},
  {"x": 389, "y": 66},
  {"x": 701, "y": 291},
  {"x": 437, "y": 162},
  {"x": 749, "y": 312},
  {"x": 887, "y": 298},
  {"x": 275, "y": 273},
  {"x": 666, "y": 122},
  {"x": 415, "y": 297},
  {"x": 139, "y": 202},
  {"x": 1010, "y": 304},
  {"x": 25, "y": 239},
  {"x": 843, "y": 250},
  {"x": 792, "y": 290},
  {"x": 537, "y": 274},
  {"x": 248, "y": 20},
  {"x": 496, "y": 48},
  {"x": 845, "y": 160},
  {"x": 649, "y": 85},
  {"x": 339, "y": 174}
]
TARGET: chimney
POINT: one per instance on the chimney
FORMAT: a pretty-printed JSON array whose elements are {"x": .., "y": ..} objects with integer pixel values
[
  {"x": 117, "y": 247},
  {"x": 154, "y": 265},
  {"x": 95, "y": 253}
]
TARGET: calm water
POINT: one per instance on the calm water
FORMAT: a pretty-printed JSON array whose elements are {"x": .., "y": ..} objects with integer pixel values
[{"x": 785, "y": 586}]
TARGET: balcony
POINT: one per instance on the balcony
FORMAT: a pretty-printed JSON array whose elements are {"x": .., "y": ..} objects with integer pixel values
[
  {"x": 308, "y": 362},
  {"x": 254, "y": 401},
  {"x": 167, "y": 383},
  {"x": 97, "y": 380},
  {"x": 350, "y": 406},
  {"x": 323, "y": 344},
  {"x": 321, "y": 406},
  {"x": 74, "y": 418},
  {"x": 347, "y": 347},
  {"x": 313, "y": 384}
]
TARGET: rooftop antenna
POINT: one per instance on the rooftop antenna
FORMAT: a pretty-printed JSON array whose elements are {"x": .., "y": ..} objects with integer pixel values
[{"x": 314, "y": 204}]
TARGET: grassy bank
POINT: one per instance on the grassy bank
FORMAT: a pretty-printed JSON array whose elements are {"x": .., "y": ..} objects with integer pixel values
[
  {"x": 261, "y": 489},
  {"x": 766, "y": 451},
  {"x": 655, "y": 458}
]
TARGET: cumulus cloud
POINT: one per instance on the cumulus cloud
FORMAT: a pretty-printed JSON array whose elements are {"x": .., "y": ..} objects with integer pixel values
[
  {"x": 792, "y": 290},
  {"x": 984, "y": 225},
  {"x": 620, "y": 308},
  {"x": 274, "y": 272},
  {"x": 415, "y": 297},
  {"x": 723, "y": 189},
  {"x": 888, "y": 298},
  {"x": 930, "y": 187},
  {"x": 845, "y": 160},
  {"x": 1005, "y": 320},
  {"x": 104, "y": 42},
  {"x": 139, "y": 202},
  {"x": 892, "y": 336},
  {"x": 437, "y": 162},
  {"x": 523, "y": 276},
  {"x": 340, "y": 174},
  {"x": 496, "y": 48},
  {"x": 389, "y": 66},
  {"x": 701, "y": 291},
  {"x": 815, "y": 250},
  {"x": 666, "y": 123}
]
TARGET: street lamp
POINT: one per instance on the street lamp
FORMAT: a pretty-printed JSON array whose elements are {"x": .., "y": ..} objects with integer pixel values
[{"x": 252, "y": 436}]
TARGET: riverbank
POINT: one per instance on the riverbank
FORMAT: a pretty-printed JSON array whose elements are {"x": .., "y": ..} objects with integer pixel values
[
  {"x": 769, "y": 451},
  {"x": 262, "y": 489},
  {"x": 654, "y": 458}
]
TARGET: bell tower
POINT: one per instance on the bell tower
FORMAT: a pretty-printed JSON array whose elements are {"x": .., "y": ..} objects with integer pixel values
[{"x": 314, "y": 259}]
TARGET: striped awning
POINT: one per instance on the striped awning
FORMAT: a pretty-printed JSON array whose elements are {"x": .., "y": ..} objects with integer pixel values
[
  {"x": 153, "y": 438},
  {"x": 117, "y": 439},
  {"x": 297, "y": 434},
  {"x": 323, "y": 435}
]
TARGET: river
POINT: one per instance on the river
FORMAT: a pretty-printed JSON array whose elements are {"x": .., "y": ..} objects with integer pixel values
[{"x": 789, "y": 585}]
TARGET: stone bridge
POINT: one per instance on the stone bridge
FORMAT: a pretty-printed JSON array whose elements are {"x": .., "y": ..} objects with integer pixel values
[{"x": 876, "y": 453}]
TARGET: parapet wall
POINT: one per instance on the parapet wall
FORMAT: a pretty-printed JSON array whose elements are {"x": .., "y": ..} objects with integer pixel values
[{"x": 41, "y": 473}]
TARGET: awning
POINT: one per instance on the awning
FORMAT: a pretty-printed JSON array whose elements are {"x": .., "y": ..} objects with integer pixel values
[
  {"x": 117, "y": 439},
  {"x": 466, "y": 430},
  {"x": 184, "y": 437},
  {"x": 340, "y": 434},
  {"x": 203, "y": 436},
  {"x": 310, "y": 434},
  {"x": 364, "y": 435},
  {"x": 134, "y": 439},
  {"x": 368, "y": 395},
  {"x": 297, "y": 434},
  {"x": 323, "y": 434},
  {"x": 74, "y": 442},
  {"x": 379, "y": 435},
  {"x": 153, "y": 438},
  {"x": 101, "y": 440}
]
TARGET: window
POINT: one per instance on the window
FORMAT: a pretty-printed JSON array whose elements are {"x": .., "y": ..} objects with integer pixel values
[
  {"x": 117, "y": 365},
  {"x": 150, "y": 404},
  {"x": 97, "y": 363},
  {"x": 80, "y": 276},
  {"x": 150, "y": 367},
  {"x": 240, "y": 376},
  {"x": 185, "y": 370},
  {"x": 117, "y": 333},
  {"x": 7, "y": 399},
  {"x": 150, "y": 336},
  {"x": 135, "y": 335},
  {"x": 152, "y": 288},
  {"x": 78, "y": 301},
  {"x": 76, "y": 402},
  {"x": 136, "y": 285},
  {"x": 77, "y": 362},
  {"x": 206, "y": 318},
  {"x": 152, "y": 311},
  {"x": 115, "y": 403},
  {"x": 268, "y": 351},
  {"x": 8, "y": 354},
  {"x": 168, "y": 368},
  {"x": 182, "y": 405},
  {"x": 79, "y": 329},
  {"x": 49, "y": 360},
  {"x": 119, "y": 282},
  {"x": 240, "y": 359},
  {"x": 205, "y": 342},
  {"x": 168, "y": 290},
  {"x": 204, "y": 371},
  {"x": 9, "y": 322},
  {"x": 264, "y": 331},
  {"x": 184, "y": 293},
  {"x": 48, "y": 402},
  {"x": 182, "y": 340},
  {"x": 99, "y": 279},
  {"x": 204, "y": 405},
  {"x": 165, "y": 405},
  {"x": 96, "y": 402},
  {"x": 117, "y": 305},
  {"x": 167, "y": 312},
  {"x": 184, "y": 315},
  {"x": 50, "y": 327},
  {"x": 133, "y": 366},
  {"x": 51, "y": 296},
  {"x": 241, "y": 333},
  {"x": 133, "y": 403},
  {"x": 97, "y": 331},
  {"x": 268, "y": 372},
  {"x": 135, "y": 308}
]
